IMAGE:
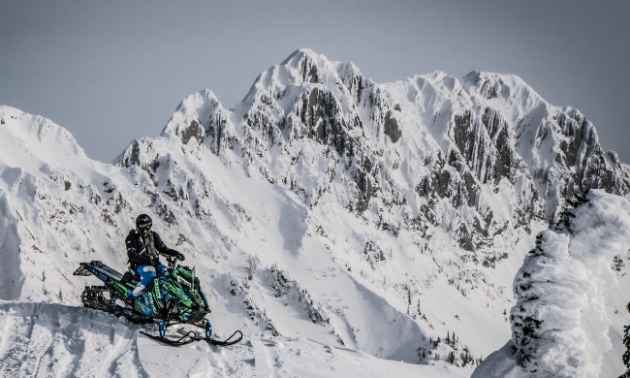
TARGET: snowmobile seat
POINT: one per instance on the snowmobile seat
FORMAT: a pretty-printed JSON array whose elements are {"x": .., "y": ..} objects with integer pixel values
[{"x": 130, "y": 275}]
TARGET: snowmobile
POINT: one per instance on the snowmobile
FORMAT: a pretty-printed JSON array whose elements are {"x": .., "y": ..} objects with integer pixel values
[{"x": 174, "y": 297}]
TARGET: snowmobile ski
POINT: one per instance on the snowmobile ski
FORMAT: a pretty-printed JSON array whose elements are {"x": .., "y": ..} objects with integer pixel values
[
  {"x": 188, "y": 338},
  {"x": 192, "y": 336},
  {"x": 227, "y": 341}
]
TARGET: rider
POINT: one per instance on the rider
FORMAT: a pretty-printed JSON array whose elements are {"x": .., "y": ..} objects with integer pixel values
[{"x": 143, "y": 246}]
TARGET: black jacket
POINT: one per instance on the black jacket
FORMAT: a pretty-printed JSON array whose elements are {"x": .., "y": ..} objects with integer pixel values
[{"x": 139, "y": 254}]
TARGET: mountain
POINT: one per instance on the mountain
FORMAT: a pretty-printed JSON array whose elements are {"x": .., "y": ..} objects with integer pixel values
[{"x": 387, "y": 218}]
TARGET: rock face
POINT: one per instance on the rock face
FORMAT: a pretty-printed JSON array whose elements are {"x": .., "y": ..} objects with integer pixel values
[
  {"x": 402, "y": 194},
  {"x": 315, "y": 126}
]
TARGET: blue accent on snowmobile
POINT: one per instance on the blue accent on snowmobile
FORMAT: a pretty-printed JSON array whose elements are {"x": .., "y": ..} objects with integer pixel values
[
  {"x": 162, "y": 329},
  {"x": 208, "y": 331}
]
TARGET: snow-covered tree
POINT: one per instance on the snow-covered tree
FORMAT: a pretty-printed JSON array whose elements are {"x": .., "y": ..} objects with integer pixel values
[{"x": 559, "y": 323}]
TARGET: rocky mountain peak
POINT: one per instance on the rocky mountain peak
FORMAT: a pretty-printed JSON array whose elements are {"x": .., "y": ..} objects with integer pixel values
[
  {"x": 488, "y": 127},
  {"x": 306, "y": 66},
  {"x": 188, "y": 124}
]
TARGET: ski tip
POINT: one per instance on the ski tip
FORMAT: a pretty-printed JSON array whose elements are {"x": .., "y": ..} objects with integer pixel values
[{"x": 227, "y": 342}]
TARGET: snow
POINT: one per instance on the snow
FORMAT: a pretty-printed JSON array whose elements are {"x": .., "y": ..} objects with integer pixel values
[
  {"x": 310, "y": 225},
  {"x": 560, "y": 327},
  {"x": 45, "y": 339}
]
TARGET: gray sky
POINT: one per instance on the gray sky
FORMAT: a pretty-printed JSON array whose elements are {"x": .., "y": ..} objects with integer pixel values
[{"x": 113, "y": 71}]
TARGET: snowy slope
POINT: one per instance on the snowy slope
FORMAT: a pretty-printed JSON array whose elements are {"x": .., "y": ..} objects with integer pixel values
[
  {"x": 376, "y": 217},
  {"x": 42, "y": 340}
]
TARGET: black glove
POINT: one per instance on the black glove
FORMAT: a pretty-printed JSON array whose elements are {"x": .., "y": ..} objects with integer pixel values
[{"x": 180, "y": 257}]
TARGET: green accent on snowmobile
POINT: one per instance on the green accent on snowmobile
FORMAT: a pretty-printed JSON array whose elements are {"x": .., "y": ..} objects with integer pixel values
[
  {"x": 159, "y": 302},
  {"x": 156, "y": 288},
  {"x": 151, "y": 302},
  {"x": 198, "y": 299},
  {"x": 194, "y": 290},
  {"x": 177, "y": 290},
  {"x": 172, "y": 273},
  {"x": 120, "y": 288},
  {"x": 187, "y": 274}
]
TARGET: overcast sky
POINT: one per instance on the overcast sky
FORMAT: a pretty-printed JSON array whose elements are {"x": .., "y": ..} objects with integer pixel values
[{"x": 112, "y": 71}]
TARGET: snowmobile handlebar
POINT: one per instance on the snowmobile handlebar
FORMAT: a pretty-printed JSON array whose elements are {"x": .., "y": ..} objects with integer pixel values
[{"x": 172, "y": 261}]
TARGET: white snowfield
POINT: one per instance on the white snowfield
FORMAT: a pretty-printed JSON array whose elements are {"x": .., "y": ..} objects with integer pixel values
[
  {"x": 342, "y": 225},
  {"x": 53, "y": 340}
]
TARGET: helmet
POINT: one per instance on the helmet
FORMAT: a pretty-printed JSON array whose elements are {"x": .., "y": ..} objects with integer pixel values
[{"x": 143, "y": 224}]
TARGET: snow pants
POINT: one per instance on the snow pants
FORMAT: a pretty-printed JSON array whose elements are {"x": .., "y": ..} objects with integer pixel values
[{"x": 147, "y": 274}]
